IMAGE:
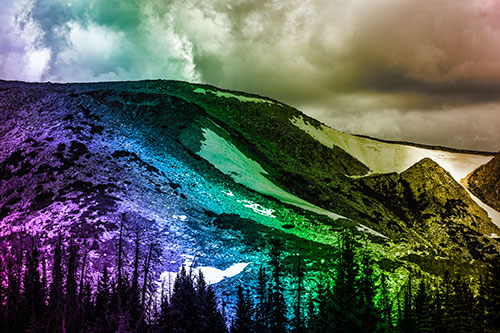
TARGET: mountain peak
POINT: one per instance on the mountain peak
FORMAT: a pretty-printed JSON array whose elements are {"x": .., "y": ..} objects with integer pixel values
[{"x": 429, "y": 171}]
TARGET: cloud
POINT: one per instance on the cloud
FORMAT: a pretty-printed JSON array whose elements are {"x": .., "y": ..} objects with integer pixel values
[
  {"x": 468, "y": 127},
  {"x": 23, "y": 56}
]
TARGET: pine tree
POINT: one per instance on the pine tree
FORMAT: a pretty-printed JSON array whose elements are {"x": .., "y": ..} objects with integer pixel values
[
  {"x": 407, "y": 318},
  {"x": 460, "y": 312},
  {"x": 423, "y": 309},
  {"x": 71, "y": 302},
  {"x": 183, "y": 313},
  {"x": 345, "y": 296},
  {"x": 386, "y": 306},
  {"x": 262, "y": 312},
  {"x": 447, "y": 299},
  {"x": 56, "y": 301},
  {"x": 368, "y": 313},
  {"x": 33, "y": 289},
  {"x": 480, "y": 306},
  {"x": 298, "y": 321},
  {"x": 326, "y": 319},
  {"x": 277, "y": 301},
  {"x": 243, "y": 322},
  {"x": 311, "y": 314},
  {"x": 102, "y": 300},
  {"x": 2, "y": 291},
  {"x": 492, "y": 299},
  {"x": 14, "y": 298},
  {"x": 215, "y": 319},
  {"x": 134, "y": 304},
  {"x": 437, "y": 310}
]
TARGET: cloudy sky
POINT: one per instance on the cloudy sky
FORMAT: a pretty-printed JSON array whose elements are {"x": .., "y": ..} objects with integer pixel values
[{"x": 420, "y": 70}]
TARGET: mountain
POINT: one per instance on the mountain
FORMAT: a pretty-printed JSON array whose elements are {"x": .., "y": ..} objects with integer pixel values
[
  {"x": 206, "y": 177},
  {"x": 484, "y": 182}
]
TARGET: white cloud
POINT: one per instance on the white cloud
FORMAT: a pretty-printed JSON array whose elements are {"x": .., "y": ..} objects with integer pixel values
[{"x": 25, "y": 58}]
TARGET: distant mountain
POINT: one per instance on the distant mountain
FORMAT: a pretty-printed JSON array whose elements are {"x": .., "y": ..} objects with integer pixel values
[
  {"x": 484, "y": 182},
  {"x": 207, "y": 176}
]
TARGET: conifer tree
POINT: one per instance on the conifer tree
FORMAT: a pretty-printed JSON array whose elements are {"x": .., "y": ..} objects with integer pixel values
[
  {"x": 102, "y": 300},
  {"x": 216, "y": 321},
  {"x": 33, "y": 289},
  {"x": 423, "y": 309},
  {"x": 492, "y": 299},
  {"x": 369, "y": 316},
  {"x": 71, "y": 301},
  {"x": 386, "y": 306},
  {"x": 407, "y": 318},
  {"x": 277, "y": 301},
  {"x": 14, "y": 298},
  {"x": 134, "y": 304},
  {"x": 262, "y": 305},
  {"x": 183, "y": 313},
  {"x": 460, "y": 311},
  {"x": 344, "y": 295},
  {"x": 56, "y": 302},
  {"x": 437, "y": 311},
  {"x": 298, "y": 321},
  {"x": 243, "y": 321}
]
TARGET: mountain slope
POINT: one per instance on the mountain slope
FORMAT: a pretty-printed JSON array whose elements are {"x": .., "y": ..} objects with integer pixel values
[
  {"x": 484, "y": 182},
  {"x": 208, "y": 176}
]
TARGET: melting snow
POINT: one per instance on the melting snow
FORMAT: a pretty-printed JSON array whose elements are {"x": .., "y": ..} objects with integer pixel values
[
  {"x": 383, "y": 157},
  {"x": 258, "y": 208},
  {"x": 228, "y": 159},
  {"x": 241, "y": 98},
  {"x": 212, "y": 275}
]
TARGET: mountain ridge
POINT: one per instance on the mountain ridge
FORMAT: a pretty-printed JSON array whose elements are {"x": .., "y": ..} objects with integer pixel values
[{"x": 212, "y": 175}]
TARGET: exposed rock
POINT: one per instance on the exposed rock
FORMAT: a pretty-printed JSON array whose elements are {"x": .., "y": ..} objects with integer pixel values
[
  {"x": 432, "y": 207},
  {"x": 484, "y": 182}
]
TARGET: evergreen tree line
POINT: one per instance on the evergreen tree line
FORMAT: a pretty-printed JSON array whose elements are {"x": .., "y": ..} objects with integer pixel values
[
  {"x": 350, "y": 297},
  {"x": 69, "y": 301}
]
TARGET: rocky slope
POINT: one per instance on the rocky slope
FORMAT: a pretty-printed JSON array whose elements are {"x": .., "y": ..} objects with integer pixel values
[
  {"x": 208, "y": 176},
  {"x": 484, "y": 182},
  {"x": 432, "y": 205}
]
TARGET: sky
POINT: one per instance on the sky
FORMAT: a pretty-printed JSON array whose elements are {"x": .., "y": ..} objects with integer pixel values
[{"x": 425, "y": 71}]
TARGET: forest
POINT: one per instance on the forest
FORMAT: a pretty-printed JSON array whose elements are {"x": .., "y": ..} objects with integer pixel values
[{"x": 39, "y": 293}]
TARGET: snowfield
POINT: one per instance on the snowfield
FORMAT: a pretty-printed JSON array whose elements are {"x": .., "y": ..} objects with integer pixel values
[
  {"x": 384, "y": 157},
  {"x": 231, "y": 161},
  {"x": 224, "y": 94}
]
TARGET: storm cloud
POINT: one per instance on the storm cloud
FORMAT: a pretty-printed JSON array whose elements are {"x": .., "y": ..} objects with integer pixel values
[{"x": 419, "y": 70}]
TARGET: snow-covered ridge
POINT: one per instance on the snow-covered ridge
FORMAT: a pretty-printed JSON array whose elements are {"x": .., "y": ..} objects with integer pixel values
[
  {"x": 384, "y": 157},
  {"x": 224, "y": 94}
]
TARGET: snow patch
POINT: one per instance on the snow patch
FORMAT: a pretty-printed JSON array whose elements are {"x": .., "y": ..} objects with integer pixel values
[
  {"x": 224, "y": 94},
  {"x": 492, "y": 213},
  {"x": 365, "y": 229},
  {"x": 212, "y": 275},
  {"x": 383, "y": 157},
  {"x": 231, "y": 161},
  {"x": 180, "y": 217},
  {"x": 258, "y": 208}
]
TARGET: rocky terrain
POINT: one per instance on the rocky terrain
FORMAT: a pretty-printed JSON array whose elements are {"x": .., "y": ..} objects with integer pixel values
[
  {"x": 208, "y": 176},
  {"x": 484, "y": 182}
]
